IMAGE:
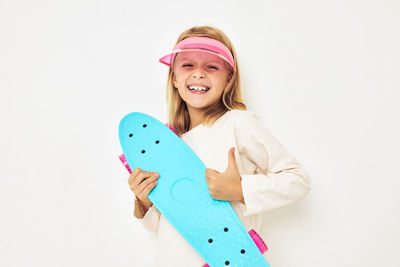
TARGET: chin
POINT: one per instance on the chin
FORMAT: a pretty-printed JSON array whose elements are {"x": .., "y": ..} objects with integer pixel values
[{"x": 199, "y": 106}]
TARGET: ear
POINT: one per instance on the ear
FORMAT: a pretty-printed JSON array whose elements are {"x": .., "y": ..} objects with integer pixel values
[
  {"x": 174, "y": 79},
  {"x": 228, "y": 79}
]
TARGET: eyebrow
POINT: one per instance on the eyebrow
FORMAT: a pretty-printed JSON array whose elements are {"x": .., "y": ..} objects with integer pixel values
[{"x": 208, "y": 61}]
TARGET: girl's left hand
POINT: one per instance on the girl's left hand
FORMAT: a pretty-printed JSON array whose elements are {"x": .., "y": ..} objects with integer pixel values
[{"x": 226, "y": 185}]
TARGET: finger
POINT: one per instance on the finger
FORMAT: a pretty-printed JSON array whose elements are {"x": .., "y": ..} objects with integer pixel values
[
  {"x": 142, "y": 176},
  {"x": 146, "y": 182},
  {"x": 231, "y": 158},
  {"x": 210, "y": 172},
  {"x": 133, "y": 175},
  {"x": 146, "y": 191},
  {"x": 208, "y": 175},
  {"x": 146, "y": 174},
  {"x": 157, "y": 174}
]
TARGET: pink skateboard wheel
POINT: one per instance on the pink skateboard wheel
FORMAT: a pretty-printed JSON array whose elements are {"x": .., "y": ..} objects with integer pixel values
[
  {"x": 170, "y": 127},
  {"x": 258, "y": 240},
  {"x": 123, "y": 160}
]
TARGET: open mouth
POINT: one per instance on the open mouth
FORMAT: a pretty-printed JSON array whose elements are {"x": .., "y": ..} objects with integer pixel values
[{"x": 201, "y": 89}]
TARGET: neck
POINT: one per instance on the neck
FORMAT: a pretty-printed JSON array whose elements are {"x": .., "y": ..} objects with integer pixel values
[{"x": 196, "y": 117}]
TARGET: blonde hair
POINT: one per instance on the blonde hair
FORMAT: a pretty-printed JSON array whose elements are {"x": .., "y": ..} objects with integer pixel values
[{"x": 231, "y": 98}]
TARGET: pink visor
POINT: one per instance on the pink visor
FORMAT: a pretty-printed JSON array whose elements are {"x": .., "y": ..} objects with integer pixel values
[{"x": 204, "y": 44}]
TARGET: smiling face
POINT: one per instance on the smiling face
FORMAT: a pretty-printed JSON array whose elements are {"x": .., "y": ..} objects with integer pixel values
[{"x": 205, "y": 74}]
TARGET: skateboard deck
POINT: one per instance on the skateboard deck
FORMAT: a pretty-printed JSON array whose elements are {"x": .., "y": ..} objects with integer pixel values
[{"x": 210, "y": 226}]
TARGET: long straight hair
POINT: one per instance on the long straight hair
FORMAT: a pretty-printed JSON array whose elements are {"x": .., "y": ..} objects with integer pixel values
[{"x": 231, "y": 98}]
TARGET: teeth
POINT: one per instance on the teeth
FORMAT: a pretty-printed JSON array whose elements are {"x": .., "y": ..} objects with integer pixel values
[{"x": 198, "y": 88}]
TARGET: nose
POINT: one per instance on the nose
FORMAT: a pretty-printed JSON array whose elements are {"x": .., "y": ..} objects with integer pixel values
[{"x": 198, "y": 73}]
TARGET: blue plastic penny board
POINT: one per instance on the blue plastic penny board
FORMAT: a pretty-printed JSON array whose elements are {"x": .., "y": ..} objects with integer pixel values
[{"x": 210, "y": 226}]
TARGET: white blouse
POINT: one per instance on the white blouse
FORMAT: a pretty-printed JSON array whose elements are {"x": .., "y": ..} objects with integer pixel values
[{"x": 271, "y": 178}]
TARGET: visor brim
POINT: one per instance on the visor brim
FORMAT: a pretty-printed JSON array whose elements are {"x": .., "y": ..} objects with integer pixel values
[{"x": 168, "y": 59}]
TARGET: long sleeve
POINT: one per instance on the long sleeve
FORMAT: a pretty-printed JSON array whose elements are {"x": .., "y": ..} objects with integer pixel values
[
  {"x": 151, "y": 219},
  {"x": 272, "y": 177}
]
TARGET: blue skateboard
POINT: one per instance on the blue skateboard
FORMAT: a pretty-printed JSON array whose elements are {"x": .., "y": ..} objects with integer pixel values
[{"x": 210, "y": 226}]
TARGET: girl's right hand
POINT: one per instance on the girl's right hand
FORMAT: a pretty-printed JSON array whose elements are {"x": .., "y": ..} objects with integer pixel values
[{"x": 141, "y": 183}]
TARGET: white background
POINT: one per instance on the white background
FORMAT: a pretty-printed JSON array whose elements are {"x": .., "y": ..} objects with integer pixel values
[{"x": 323, "y": 74}]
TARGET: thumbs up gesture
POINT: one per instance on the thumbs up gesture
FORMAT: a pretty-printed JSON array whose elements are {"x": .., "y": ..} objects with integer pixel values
[{"x": 226, "y": 185}]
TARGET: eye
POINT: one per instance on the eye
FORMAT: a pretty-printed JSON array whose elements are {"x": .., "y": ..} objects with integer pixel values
[
  {"x": 213, "y": 67},
  {"x": 187, "y": 65}
]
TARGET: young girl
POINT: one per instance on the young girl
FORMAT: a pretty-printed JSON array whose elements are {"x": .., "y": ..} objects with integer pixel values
[{"x": 246, "y": 165}]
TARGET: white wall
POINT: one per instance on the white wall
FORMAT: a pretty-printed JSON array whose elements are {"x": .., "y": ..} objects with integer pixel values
[{"x": 324, "y": 74}]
